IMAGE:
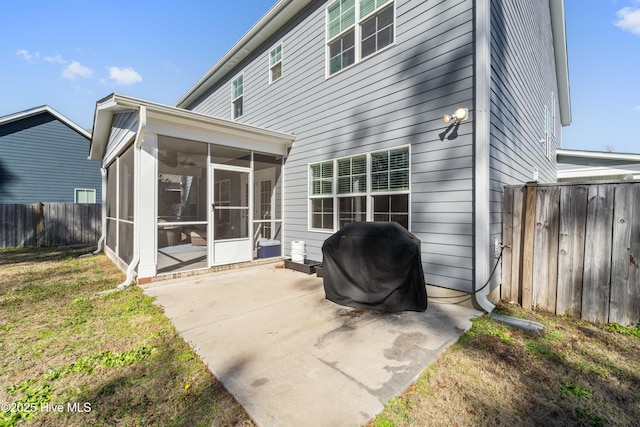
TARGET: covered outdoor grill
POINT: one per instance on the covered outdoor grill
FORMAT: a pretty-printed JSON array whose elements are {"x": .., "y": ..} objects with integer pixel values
[{"x": 374, "y": 266}]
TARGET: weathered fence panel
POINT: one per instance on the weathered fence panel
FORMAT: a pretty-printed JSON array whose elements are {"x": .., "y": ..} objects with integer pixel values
[
  {"x": 573, "y": 223},
  {"x": 49, "y": 224},
  {"x": 575, "y": 248}
]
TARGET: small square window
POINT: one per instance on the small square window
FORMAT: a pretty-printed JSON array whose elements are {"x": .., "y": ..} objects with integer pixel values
[{"x": 83, "y": 195}]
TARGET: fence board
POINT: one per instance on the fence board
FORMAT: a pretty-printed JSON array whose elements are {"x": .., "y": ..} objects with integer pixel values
[
  {"x": 527, "y": 246},
  {"x": 573, "y": 220},
  {"x": 507, "y": 240},
  {"x": 545, "y": 249},
  {"x": 624, "y": 304},
  {"x": 49, "y": 224},
  {"x": 518, "y": 235},
  {"x": 597, "y": 256}
]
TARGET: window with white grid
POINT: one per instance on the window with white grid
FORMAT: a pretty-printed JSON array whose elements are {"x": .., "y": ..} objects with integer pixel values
[{"x": 367, "y": 187}]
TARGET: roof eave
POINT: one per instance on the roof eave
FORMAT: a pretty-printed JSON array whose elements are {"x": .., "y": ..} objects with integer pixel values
[
  {"x": 45, "y": 109},
  {"x": 558, "y": 28},
  {"x": 107, "y": 107},
  {"x": 271, "y": 22},
  {"x": 599, "y": 155}
]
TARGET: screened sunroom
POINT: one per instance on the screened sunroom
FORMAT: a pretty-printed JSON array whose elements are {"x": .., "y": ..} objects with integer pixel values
[{"x": 185, "y": 191}]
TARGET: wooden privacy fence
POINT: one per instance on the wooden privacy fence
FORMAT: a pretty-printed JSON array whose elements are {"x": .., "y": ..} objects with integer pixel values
[
  {"x": 49, "y": 224},
  {"x": 575, "y": 249}
]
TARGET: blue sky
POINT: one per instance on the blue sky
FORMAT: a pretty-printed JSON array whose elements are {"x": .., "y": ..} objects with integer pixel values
[{"x": 69, "y": 54}]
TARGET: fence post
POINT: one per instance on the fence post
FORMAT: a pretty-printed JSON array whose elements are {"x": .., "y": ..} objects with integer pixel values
[{"x": 38, "y": 211}]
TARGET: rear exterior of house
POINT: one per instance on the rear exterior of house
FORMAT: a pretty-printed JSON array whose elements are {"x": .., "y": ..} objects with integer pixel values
[
  {"x": 331, "y": 111},
  {"x": 363, "y": 86},
  {"x": 43, "y": 158}
]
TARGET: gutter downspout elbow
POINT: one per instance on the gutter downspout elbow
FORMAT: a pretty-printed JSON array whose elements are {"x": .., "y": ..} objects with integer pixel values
[{"x": 484, "y": 303}]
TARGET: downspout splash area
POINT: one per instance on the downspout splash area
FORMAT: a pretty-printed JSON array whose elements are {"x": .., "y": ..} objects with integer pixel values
[{"x": 142, "y": 125}]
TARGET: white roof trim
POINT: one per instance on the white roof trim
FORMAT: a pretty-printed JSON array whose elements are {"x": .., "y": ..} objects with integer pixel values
[
  {"x": 271, "y": 22},
  {"x": 599, "y": 155},
  {"x": 44, "y": 109},
  {"x": 114, "y": 103},
  {"x": 558, "y": 28}
]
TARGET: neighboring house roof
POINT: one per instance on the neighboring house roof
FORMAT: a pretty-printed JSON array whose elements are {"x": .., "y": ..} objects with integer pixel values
[
  {"x": 284, "y": 10},
  {"x": 115, "y": 103},
  {"x": 44, "y": 109},
  {"x": 575, "y": 164}
]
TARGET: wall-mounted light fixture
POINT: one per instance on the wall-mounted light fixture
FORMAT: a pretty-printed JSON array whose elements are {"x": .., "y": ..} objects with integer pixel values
[{"x": 461, "y": 114}]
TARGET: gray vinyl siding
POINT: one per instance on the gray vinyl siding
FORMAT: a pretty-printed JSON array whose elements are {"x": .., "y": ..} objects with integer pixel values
[
  {"x": 394, "y": 98},
  {"x": 522, "y": 82},
  {"x": 122, "y": 130},
  {"x": 44, "y": 160}
]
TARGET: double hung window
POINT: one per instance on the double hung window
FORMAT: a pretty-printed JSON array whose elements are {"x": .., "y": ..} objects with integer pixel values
[
  {"x": 237, "y": 92},
  {"x": 357, "y": 29},
  {"x": 367, "y": 187},
  {"x": 275, "y": 63}
]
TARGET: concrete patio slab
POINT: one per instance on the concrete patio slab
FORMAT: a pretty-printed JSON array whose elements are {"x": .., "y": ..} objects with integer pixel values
[{"x": 293, "y": 358}]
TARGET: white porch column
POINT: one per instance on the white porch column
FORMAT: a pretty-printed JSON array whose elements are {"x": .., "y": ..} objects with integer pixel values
[{"x": 148, "y": 176}]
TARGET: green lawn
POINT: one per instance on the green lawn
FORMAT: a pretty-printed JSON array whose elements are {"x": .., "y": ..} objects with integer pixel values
[{"x": 69, "y": 359}]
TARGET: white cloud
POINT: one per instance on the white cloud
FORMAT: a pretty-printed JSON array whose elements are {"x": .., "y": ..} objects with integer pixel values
[
  {"x": 76, "y": 70},
  {"x": 124, "y": 76},
  {"x": 629, "y": 20},
  {"x": 55, "y": 59},
  {"x": 29, "y": 57}
]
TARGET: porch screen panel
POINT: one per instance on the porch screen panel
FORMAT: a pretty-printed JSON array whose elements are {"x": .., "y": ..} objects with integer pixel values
[
  {"x": 267, "y": 196},
  {"x": 125, "y": 185},
  {"x": 125, "y": 245},
  {"x": 112, "y": 222},
  {"x": 182, "y": 181}
]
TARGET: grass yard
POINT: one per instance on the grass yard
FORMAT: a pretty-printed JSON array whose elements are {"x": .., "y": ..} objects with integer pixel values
[
  {"x": 68, "y": 359},
  {"x": 575, "y": 374}
]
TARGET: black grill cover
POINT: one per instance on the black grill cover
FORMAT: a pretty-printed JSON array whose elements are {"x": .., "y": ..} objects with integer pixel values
[{"x": 375, "y": 266}]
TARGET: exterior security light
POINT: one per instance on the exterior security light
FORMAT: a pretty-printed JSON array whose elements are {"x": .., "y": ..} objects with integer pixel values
[{"x": 459, "y": 115}]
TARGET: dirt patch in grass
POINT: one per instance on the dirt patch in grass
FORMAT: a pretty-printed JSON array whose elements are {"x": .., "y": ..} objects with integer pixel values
[
  {"x": 575, "y": 374},
  {"x": 69, "y": 359}
]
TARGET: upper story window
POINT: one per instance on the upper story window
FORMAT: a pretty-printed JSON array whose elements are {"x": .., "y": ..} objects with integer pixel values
[
  {"x": 275, "y": 63},
  {"x": 237, "y": 92},
  {"x": 357, "y": 29}
]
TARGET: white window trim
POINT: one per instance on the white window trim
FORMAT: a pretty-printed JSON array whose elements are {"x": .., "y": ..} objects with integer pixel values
[
  {"x": 75, "y": 194},
  {"x": 233, "y": 100},
  {"x": 369, "y": 194},
  {"x": 357, "y": 36},
  {"x": 270, "y": 66}
]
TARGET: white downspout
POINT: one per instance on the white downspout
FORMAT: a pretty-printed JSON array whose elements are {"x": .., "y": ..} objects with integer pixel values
[
  {"x": 482, "y": 152},
  {"x": 482, "y": 147},
  {"x": 142, "y": 125}
]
